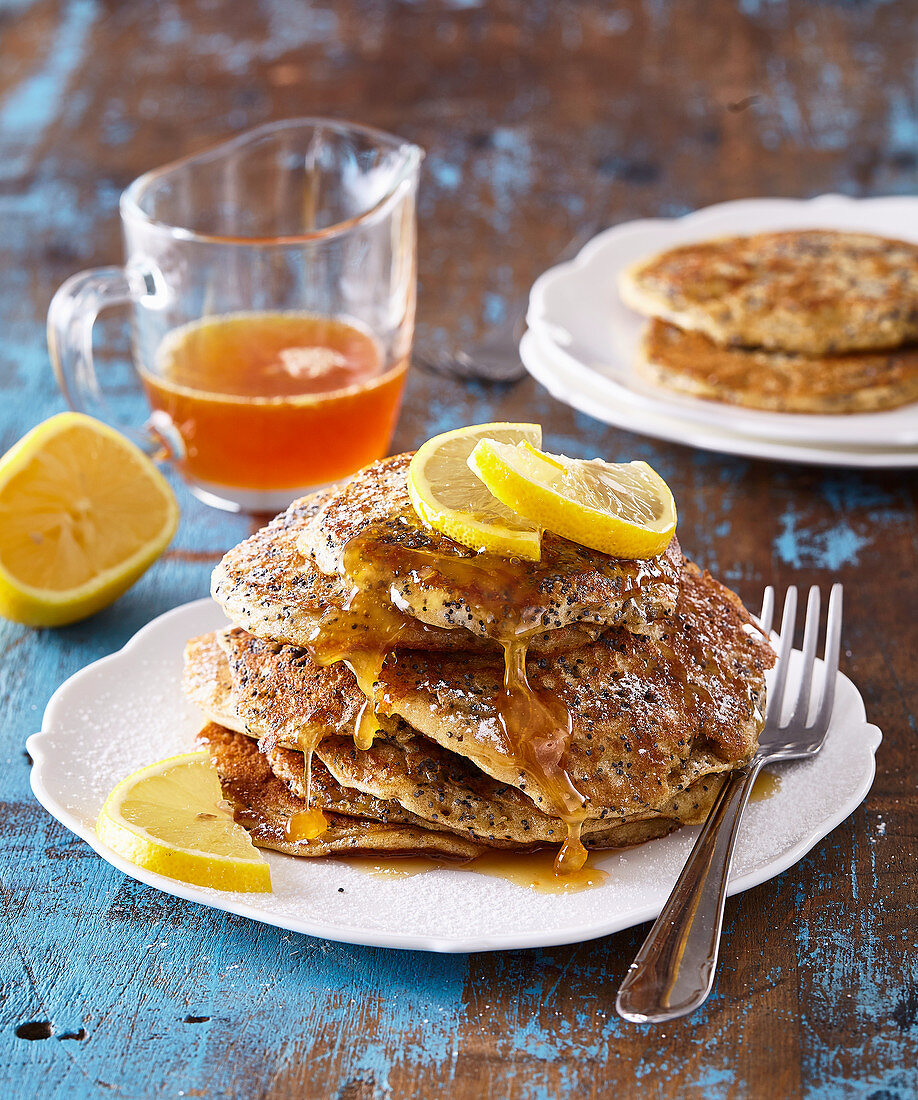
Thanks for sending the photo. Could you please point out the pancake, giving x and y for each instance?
(368, 533)
(403, 776)
(279, 692)
(814, 291)
(448, 792)
(856, 382)
(649, 715)
(263, 805)
(227, 675)
(269, 587)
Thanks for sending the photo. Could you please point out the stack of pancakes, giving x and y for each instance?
(811, 321)
(427, 698)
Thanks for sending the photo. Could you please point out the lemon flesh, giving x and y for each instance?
(624, 509)
(83, 513)
(449, 497)
(171, 818)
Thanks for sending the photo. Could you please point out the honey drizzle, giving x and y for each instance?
(538, 732)
(532, 870)
(504, 598)
(766, 785)
(311, 823)
(332, 639)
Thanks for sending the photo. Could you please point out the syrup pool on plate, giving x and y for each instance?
(276, 400)
(531, 870)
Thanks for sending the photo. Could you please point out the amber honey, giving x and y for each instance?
(531, 870)
(275, 400)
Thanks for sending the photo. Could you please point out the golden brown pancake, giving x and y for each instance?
(814, 291)
(368, 533)
(273, 692)
(269, 587)
(402, 769)
(650, 714)
(263, 804)
(856, 382)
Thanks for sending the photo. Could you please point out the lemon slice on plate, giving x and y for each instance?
(83, 512)
(171, 818)
(451, 499)
(624, 509)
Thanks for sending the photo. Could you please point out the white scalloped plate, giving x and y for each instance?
(585, 391)
(576, 309)
(127, 710)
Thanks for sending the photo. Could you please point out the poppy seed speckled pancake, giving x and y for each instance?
(650, 714)
(269, 587)
(448, 792)
(812, 291)
(781, 381)
(273, 692)
(278, 692)
(368, 532)
(425, 780)
(264, 804)
(364, 784)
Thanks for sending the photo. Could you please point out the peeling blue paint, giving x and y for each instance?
(31, 106)
(493, 308)
(508, 168)
(828, 549)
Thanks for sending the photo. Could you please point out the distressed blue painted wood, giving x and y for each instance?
(534, 115)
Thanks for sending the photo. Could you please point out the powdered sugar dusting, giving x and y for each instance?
(128, 710)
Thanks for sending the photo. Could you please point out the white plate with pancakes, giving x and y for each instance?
(128, 710)
(589, 394)
(584, 341)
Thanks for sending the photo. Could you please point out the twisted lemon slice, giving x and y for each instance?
(624, 509)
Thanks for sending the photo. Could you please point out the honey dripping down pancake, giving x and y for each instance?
(369, 534)
(504, 599)
(273, 693)
(387, 590)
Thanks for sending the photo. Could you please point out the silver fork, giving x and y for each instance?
(673, 972)
(496, 357)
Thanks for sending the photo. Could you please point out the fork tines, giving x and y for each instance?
(797, 723)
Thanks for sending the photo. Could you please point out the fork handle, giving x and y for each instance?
(673, 972)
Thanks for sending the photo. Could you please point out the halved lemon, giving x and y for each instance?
(451, 499)
(83, 513)
(171, 818)
(624, 509)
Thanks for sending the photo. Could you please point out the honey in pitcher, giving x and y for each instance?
(276, 400)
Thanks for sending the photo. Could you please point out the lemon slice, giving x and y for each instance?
(451, 499)
(171, 818)
(83, 512)
(624, 509)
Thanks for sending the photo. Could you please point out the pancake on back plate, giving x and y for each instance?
(780, 381)
(264, 804)
(812, 291)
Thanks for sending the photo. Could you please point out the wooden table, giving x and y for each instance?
(535, 115)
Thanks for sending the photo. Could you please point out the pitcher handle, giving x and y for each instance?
(71, 317)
